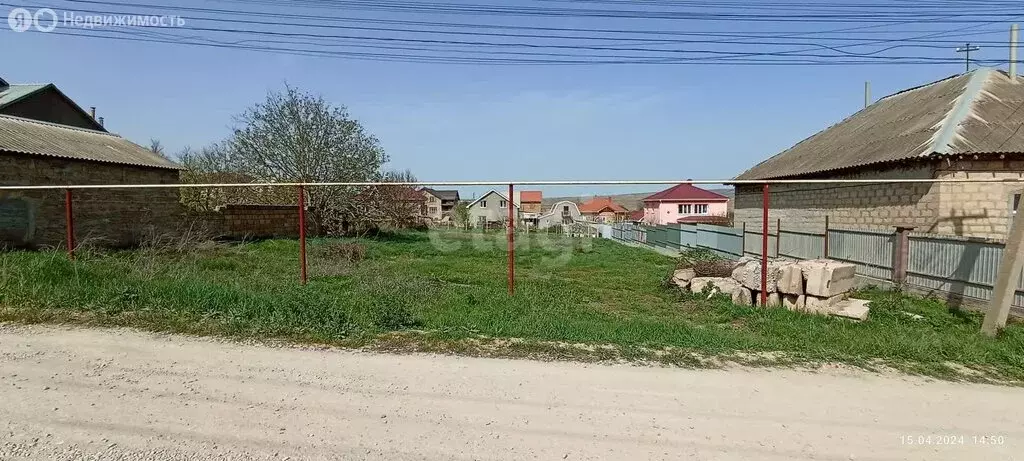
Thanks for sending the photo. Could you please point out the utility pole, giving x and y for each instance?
(1008, 275)
(1013, 52)
(967, 49)
(867, 94)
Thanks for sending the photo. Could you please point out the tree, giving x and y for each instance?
(157, 148)
(298, 137)
(460, 214)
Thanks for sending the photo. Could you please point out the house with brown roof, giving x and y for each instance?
(603, 210)
(684, 203)
(530, 205)
(964, 126)
(440, 203)
(36, 149)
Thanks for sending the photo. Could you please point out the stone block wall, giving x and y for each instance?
(977, 210)
(980, 210)
(108, 217)
(803, 207)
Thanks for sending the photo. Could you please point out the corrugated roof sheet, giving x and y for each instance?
(685, 192)
(15, 93)
(26, 136)
(977, 112)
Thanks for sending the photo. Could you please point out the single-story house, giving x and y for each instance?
(564, 212)
(41, 153)
(964, 126)
(491, 207)
(684, 203)
(603, 210)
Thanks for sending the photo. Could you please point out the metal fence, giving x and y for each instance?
(955, 267)
(962, 268)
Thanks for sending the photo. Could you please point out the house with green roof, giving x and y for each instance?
(45, 103)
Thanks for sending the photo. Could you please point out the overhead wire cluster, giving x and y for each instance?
(574, 32)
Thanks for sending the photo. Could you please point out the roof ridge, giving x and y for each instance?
(58, 125)
(948, 129)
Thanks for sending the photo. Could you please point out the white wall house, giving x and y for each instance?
(490, 207)
(564, 212)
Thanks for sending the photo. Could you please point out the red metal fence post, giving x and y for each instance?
(302, 234)
(764, 246)
(511, 242)
(69, 220)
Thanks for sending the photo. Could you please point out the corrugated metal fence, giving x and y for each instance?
(950, 266)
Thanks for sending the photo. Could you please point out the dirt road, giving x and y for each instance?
(123, 395)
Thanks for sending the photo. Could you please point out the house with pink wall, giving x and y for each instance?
(684, 203)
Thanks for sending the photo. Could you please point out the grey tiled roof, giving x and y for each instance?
(977, 112)
(24, 136)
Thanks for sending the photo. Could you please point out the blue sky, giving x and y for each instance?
(481, 122)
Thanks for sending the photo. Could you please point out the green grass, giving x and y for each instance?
(444, 298)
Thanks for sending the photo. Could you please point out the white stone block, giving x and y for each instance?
(826, 278)
(682, 278)
(718, 285)
(742, 297)
(749, 275)
(791, 280)
(856, 309)
(794, 302)
(820, 305)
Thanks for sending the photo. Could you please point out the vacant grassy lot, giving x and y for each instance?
(448, 292)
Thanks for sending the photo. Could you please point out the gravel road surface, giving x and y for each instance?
(78, 394)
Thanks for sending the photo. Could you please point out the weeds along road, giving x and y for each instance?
(123, 395)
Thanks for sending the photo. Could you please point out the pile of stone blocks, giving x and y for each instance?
(819, 286)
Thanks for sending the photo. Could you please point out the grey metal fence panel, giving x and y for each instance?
(726, 241)
(871, 251)
(752, 243)
(801, 245)
(957, 266)
(688, 235)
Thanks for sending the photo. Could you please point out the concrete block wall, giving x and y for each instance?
(252, 221)
(977, 210)
(803, 207)
(110, 217)
(968, 210)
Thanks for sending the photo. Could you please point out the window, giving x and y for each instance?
(1015, 204)
(502, 204)
(565, 209)
(685, 209)
(700, 209)
(433, 210)
(483, 204)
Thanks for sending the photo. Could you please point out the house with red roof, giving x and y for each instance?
(685, 203)
(603, 209)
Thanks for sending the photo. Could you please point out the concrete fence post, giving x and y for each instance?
(901, 255)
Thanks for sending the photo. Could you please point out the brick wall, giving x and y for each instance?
(113, 217)
(967, 210)
(252, 221)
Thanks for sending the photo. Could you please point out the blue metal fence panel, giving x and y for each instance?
(688, 235)
(752, 243)
(957, 266)
(726, 241)
(801, 245)
(871, 251)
